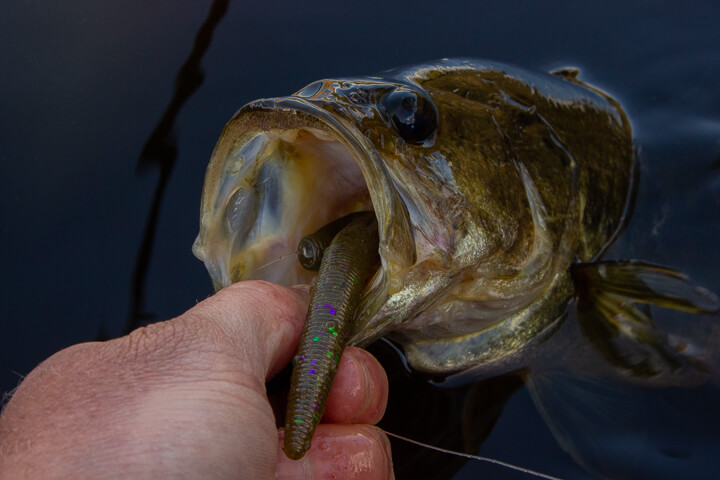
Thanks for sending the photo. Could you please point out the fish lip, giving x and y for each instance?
(396, 242)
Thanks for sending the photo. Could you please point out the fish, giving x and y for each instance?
(495, 190)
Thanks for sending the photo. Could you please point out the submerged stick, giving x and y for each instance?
(344, 270)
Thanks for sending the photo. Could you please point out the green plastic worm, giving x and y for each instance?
(345, 268)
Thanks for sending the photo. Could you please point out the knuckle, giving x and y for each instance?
(157, 341)
(257, 301)
(260, 292)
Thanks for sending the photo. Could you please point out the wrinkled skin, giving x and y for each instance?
(186, 399)
(487, 182)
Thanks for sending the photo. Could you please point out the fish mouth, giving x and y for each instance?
(282, 169)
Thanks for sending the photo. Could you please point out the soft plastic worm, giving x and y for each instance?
(311, 247)
(345, 268)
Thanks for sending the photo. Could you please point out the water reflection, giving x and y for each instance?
(160, 152)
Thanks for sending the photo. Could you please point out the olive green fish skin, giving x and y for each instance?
(487, 182)
(346, 265)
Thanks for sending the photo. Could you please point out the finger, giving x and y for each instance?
(360, 391)
(340, 451)
(262, 321)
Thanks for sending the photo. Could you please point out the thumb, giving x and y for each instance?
(262, 322)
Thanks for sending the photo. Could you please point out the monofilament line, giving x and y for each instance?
(273, 261)
(473, 457)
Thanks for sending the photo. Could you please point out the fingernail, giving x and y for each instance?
(374, 388)
(366, 387)
(292, 469)
(341, 451)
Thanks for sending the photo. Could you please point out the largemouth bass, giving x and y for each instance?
(493, 188)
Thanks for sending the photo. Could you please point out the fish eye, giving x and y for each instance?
(413, 115)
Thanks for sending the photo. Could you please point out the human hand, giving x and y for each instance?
(186, 399)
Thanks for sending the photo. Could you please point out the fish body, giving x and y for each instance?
(494, 190)
(487, 182)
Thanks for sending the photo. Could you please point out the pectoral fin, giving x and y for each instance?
(610, 317)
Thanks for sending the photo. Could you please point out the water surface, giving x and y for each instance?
(98, 214)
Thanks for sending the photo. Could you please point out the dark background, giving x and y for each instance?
(104, 140)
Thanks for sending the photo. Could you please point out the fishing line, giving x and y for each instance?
(273, 261)
(473, 457)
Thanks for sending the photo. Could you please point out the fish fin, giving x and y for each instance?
(570, 73)
(613, 319)
(646, 283)
(623, 431)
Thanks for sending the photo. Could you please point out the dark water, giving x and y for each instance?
(110, 111)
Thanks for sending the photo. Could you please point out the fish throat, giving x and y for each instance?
(345, 267)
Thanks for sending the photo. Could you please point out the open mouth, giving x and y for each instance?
(281, 170)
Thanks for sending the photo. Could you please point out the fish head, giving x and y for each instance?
(451, 160)
(285, 167)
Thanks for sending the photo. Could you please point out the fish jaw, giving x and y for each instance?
(285, 167)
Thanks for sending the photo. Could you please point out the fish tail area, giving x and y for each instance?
(344, 269)
(614, 314)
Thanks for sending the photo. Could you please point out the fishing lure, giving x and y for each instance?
(345, 267)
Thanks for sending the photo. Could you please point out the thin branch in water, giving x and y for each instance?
(161, 150)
